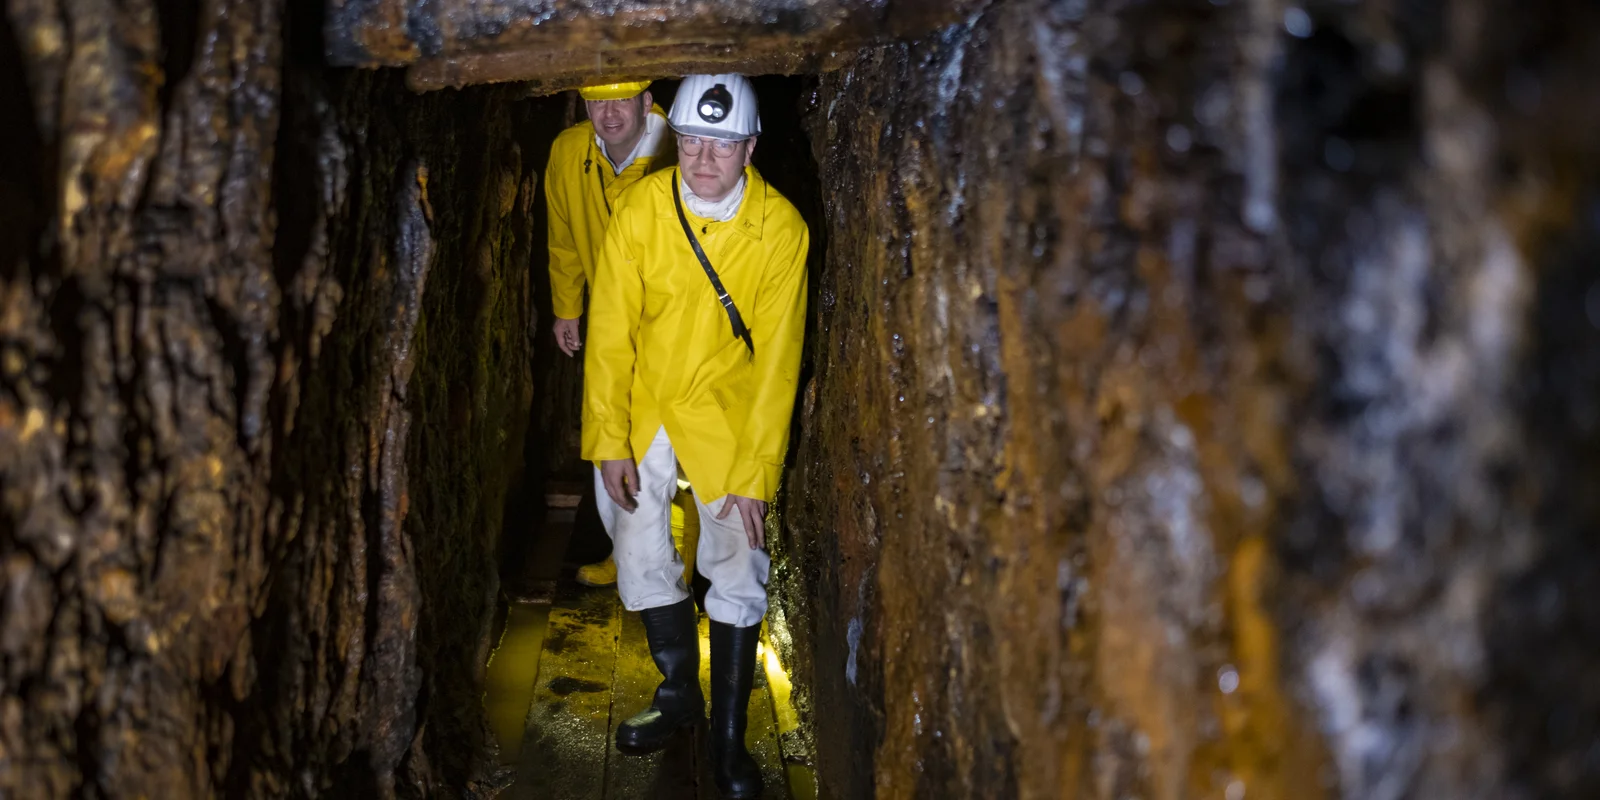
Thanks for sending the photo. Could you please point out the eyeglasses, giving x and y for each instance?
(721, 148)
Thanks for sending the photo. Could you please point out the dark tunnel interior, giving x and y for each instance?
(1197, 401)
(546, 538)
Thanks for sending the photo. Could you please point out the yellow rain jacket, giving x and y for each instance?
(580, 211)
(662, 352)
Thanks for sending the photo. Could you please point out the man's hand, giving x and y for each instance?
(566, 331)
(621, 478)
(752, 512)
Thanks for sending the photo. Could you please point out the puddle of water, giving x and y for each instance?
(512, 671)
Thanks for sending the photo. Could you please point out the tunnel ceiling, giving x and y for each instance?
(557, 44)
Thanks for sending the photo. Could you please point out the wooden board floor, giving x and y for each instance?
(593, 672)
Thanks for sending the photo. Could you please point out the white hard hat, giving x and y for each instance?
(716, 107)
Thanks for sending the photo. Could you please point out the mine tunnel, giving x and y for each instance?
(1197, 400)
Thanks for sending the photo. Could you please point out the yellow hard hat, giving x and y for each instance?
(613, 91)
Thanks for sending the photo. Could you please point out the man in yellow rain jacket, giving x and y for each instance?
(591, 163)
(689, 372)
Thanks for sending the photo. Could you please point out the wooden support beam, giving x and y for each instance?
(558, 44)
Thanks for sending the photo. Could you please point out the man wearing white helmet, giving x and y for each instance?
(591, 163)
(693, 364)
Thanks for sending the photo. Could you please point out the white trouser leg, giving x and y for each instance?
(649, 571)
(738, 575)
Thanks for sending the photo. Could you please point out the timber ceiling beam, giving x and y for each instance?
(559, 44)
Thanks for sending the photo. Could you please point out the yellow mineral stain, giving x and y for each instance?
(31, 424)
(117, 591)
(73, 200)
(1269, 755)
(114, 160)
(46, 40)
(422, 194)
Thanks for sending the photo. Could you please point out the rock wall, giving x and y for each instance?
(265, 381)
(1199, 403)
(1201, 406)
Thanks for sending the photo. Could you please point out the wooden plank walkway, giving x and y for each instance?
(594, 671)
(564, 746)
(665, 773)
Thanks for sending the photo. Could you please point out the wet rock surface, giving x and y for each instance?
(1199, 401)
(266, 380)
(1199, 407)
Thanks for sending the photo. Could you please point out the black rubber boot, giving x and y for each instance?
(675, 646)
(733, 667)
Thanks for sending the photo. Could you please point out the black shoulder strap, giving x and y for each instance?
(734, 319)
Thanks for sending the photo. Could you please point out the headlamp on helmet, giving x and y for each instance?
(715, 104)
(716, 107)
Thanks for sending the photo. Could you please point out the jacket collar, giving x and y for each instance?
(753, 211)
(649, 146)
(752, 214)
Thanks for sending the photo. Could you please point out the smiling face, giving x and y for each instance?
(710, 176)
(619, 123)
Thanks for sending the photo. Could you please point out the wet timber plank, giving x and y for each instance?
(667, 774)
(564, 750)
(761, 736)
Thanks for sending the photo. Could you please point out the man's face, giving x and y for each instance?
(709, 171)
(619, 123)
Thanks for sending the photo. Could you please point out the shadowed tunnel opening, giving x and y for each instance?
(1197, 399)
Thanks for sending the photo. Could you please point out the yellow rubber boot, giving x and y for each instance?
(686, 531)
(602, 573)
